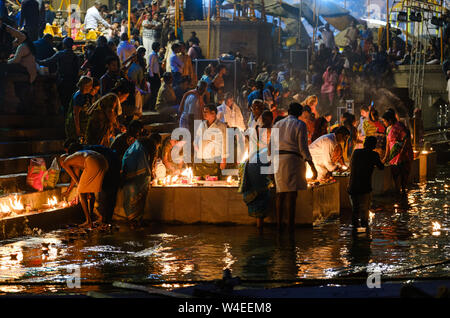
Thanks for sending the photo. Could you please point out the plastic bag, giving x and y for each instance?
(36, 173)
(160, 170)
(53, 175)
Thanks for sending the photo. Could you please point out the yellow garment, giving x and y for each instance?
(188, 69)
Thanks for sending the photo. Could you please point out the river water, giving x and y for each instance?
(402, 243)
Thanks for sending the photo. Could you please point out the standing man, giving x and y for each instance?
(154, 73)
(293, 152)
(151, 28)
(30, 19)
(67, 64)
(328, 36)
(93, 17)
(49, 14)
(112, 75)
(125, 48)
(360, 185)
(176, 65)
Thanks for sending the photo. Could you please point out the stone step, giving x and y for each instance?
(26, 148)
(149, 117)
(22, 134)
(20, 164)
(17, 182)
(167, 127)
(31, 121)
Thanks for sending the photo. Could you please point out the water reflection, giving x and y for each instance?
(403, 236)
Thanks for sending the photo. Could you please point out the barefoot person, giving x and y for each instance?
(293, 153)
(93, 166)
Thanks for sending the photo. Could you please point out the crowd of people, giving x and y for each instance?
(104, 93)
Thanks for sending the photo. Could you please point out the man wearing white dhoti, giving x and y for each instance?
(293, 152)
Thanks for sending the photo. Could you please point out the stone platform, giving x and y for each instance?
(224, 205)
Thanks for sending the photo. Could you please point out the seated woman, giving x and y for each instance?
(77, 116)
(137, 165)
(23, 60)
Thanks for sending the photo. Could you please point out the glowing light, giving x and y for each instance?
(424, 152)
(371, 216)
(436, 226)
(344, 167)
(52, 202)
(5, 208)
(16, 204)
(309, 173)
(229, 179)
(245, 156)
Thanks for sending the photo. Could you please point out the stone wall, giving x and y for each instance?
(252, 39)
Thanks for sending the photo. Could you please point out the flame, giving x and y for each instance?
(52, 202)
(371, 216)
(436, 226)
(188, 173)
(344, 167)
(4, 208)
(174, 179)
(229, 179)
(309, 173)
(16, 204)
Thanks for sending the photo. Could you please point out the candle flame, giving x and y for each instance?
(4, 208)
(309, 173)
(52, 202)
(16, 204)
(436, 226)
(229, 179)
(344, 167)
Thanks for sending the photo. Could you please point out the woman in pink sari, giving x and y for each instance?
(330, 79)
(399, 152)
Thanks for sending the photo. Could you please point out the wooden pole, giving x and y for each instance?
(69, 18)
(387, 25)
(442, 35)
(129, 19)
(176, 18)
(299, 23)
(209, 30)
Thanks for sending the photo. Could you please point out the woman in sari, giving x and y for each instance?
(399, 152)
(373, 127)
(77, 115)
(137, 165)
(255, 186)
(102, 124)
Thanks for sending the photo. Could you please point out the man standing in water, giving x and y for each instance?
(93, 166)
(360, 185)
(293, 152)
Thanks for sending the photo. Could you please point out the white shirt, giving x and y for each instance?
(322, 150)
(125, 50)
(92, 19)
(231, 116)
(192, 106)
(252, 123)
(211, 141)
(153, 64)
(293, 136)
